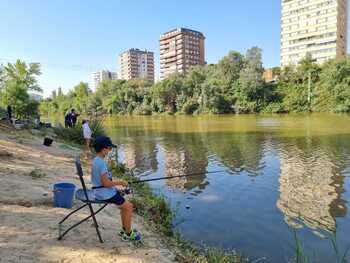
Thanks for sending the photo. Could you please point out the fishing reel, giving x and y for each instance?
(126, 191)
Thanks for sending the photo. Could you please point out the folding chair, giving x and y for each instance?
(87, 197)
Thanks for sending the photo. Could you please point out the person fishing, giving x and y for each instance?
(106, 189)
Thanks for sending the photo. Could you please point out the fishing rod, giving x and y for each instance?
(176, 176)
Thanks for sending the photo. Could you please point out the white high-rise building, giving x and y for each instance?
(317, 27)
(99, 76)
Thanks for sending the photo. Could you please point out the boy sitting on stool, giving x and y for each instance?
(106, 189)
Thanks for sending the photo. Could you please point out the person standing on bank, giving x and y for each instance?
(68, 120)
(9, 113)
(87, 133)
(74, 117)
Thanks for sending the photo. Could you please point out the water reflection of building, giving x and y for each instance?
(310, 188)
(179, 162)
(141, 158)
(242, 152)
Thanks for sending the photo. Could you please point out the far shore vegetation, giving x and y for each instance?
(234, 85)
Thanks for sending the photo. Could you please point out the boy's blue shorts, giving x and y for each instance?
(116, 199)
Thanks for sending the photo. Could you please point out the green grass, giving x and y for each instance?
(187, 252)
(301, 254)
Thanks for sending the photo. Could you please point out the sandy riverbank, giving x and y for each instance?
(28, 221)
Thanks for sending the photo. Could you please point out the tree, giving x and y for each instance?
(23, 74)
(308, 66)
(250, 82)
(332, 92)
(18, 79)
(81, 93)
(230, 66)
(165, 93)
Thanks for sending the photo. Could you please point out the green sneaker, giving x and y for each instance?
(134, 236)
(122, 232)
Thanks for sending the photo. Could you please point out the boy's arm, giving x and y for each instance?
(108, 183)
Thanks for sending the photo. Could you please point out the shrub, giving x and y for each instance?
(274, 107)
(143, 110)
(190, 106)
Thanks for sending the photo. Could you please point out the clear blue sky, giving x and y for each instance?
(73, 38)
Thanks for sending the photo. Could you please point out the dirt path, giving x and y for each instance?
(28, 222)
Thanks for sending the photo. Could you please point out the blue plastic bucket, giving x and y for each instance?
(63, 194)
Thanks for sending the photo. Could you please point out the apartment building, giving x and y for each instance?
(180, 49)
(101, 75)
(135, 63)
(269, 75)
(318, 27)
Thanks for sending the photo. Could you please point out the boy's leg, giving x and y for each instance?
(126, 215)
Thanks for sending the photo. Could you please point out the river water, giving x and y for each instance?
(282, 173)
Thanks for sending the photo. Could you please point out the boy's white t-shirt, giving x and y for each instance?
(87, 131)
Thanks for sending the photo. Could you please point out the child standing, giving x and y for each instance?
(87, 133)
(106, 189)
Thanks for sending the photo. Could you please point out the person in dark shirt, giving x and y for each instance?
(74, 117)
(68, 120)
(9, 113)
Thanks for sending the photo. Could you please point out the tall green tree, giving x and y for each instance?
(81, 93)
(165, 93)
(230, 66)
(24, 74)
(18, 79)
(332, 94)
(250, 82)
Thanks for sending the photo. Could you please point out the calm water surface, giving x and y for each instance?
(283, 173)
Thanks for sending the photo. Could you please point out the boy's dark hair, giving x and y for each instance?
(73, 110)
(98, 148)
(84, 121)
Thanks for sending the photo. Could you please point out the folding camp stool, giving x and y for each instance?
(87, 197)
